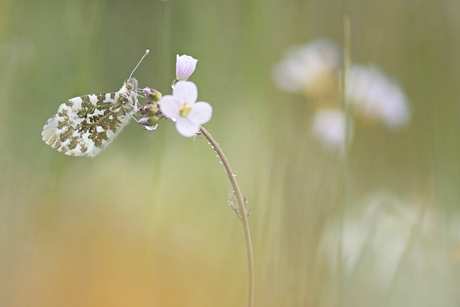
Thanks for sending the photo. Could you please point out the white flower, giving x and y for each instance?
(309, 68)
(329, 127)
(182, 108)
(185, 66)
(374, 95)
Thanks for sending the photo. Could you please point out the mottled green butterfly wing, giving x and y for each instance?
(84, 125)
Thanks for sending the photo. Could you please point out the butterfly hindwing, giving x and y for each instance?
(84, 125)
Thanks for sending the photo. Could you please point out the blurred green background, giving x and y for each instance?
(146, 223)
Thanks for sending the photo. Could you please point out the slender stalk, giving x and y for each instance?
(242, 214)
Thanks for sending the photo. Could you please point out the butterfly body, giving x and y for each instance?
(84, 125)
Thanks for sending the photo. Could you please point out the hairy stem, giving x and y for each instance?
(242, 214)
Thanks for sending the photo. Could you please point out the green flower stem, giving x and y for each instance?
(242, 214)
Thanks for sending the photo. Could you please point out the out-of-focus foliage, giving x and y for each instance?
(146, 222)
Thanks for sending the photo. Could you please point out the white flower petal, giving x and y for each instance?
(186, 127)
(376, 96)
(329, 126)
(395, 112)
(169, 106)
(185, 66)
(289, 76)
(201, 113)
(186, 91)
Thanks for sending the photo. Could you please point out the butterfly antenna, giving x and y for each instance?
(146, 52)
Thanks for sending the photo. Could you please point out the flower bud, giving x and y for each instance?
(143, 121)
(152, 109)
(152, 94)
(185, 66)
(149, 122)
(147, 92)
(152, 121)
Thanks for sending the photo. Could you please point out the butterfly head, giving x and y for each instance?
(131, 84)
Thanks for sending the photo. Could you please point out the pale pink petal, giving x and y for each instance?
(169, 106)
(186, 127)
(143, 121)
(201, 113)
(186, 91)
(185, 66)
(147, 91)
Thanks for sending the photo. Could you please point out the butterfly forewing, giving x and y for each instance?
(84, 125)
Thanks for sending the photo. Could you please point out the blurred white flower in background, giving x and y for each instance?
(315, 70)
(374, 96)
(310, 68)
(329, 127)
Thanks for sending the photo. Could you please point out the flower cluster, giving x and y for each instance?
(181, 107)
(315, 69)
(150, 110)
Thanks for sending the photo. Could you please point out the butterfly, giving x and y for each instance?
(85, 125)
